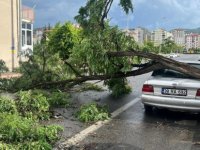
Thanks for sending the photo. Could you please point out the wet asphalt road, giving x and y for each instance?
(135, 130)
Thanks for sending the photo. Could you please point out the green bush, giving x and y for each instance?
(92, 112)
(7, 105)
(38, 145)
(7, 84)
(32, 105)
(5, 146)
(14, 128)
(17, 132)
(118, 87)
(19, 128)
(55, 98)
(59, 99)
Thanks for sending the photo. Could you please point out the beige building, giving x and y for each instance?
(11, 32)
(159, 35)
(179, 37)
(139, 34)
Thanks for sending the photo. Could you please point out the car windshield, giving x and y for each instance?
(168, 73)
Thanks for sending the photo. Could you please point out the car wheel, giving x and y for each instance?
(148, 108)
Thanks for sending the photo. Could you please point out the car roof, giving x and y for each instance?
(189, 62)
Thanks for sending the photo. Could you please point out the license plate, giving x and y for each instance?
(178, 92)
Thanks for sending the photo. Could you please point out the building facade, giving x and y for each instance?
(10, 32)
(139, 34)
(192, 41)
(159, 35)
(11, 14)
(179, 37)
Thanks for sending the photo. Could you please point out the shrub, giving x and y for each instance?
(14, 128)
(5, 146)
(7, 105)
(32, 105)
(17, 132)
(7, 84)
(92, 112)
(55, 98)
(49, 133)
(118, 87)
(59, 99)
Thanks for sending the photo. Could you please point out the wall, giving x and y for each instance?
(7, 32)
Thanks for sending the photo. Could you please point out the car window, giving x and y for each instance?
(168, 73)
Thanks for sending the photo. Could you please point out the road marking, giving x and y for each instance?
(83, 134)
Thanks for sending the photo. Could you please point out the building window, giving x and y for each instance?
(29, 37)
(23, 25)
(29, 26)
(23, 38)
(26, 34)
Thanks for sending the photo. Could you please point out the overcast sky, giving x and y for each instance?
(167, 14)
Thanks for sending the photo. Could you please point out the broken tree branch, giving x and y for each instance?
(157, 63)
(71, 82)
(165, 62)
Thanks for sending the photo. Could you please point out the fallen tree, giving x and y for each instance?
(157, 62)
(163, 61)
(95, 51)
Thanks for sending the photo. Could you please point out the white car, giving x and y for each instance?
(173, 55)
(173, 90)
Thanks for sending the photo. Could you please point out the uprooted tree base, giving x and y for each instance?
(157, 62)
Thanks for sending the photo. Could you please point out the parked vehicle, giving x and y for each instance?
(173, 90)
(173, 55)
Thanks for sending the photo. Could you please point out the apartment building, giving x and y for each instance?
(159, 35)
(139, 34)
(10, 32)
(179, 37)
(192, 41)
(13, 17)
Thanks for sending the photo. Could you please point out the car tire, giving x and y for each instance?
(148, 108)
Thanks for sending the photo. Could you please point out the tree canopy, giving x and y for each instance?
(95, 50)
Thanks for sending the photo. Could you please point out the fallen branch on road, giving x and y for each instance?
(71, 82)
(157, 63)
